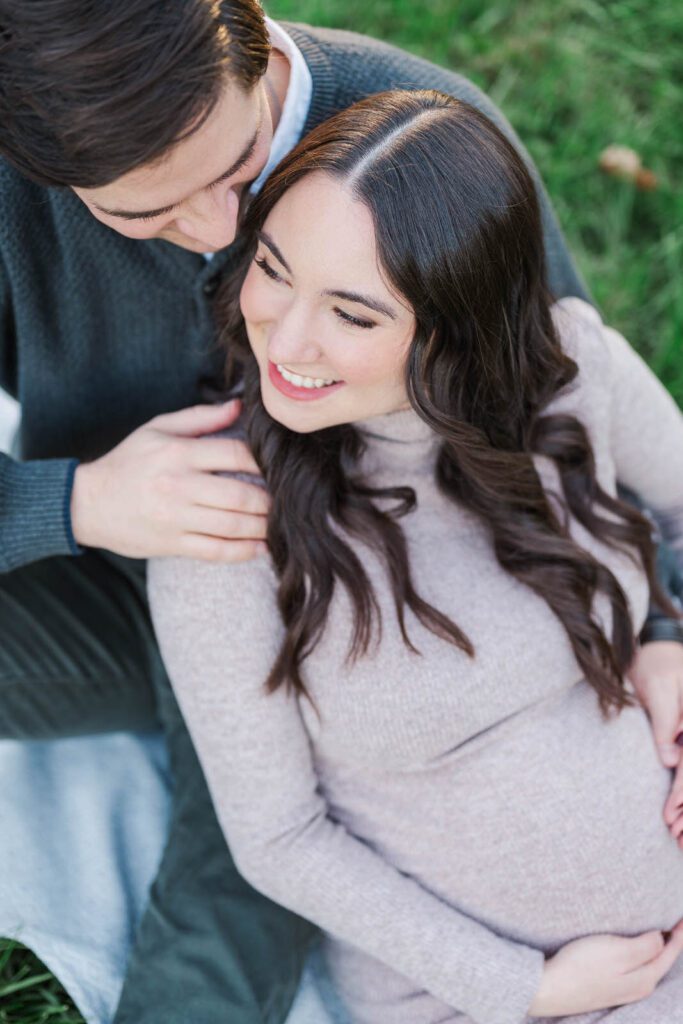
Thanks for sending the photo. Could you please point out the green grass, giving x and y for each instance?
(573, 76)
(28, 992)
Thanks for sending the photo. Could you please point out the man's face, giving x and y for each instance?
(191, 196)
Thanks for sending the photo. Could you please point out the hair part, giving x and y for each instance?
(459, 235)
(88, 92)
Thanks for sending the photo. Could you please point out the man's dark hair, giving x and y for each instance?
(91, 90)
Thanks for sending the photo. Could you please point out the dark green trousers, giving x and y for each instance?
(78, 655)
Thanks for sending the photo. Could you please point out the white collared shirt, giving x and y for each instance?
(296, 106)
(297, 102)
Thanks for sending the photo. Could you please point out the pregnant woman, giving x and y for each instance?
(411, 710)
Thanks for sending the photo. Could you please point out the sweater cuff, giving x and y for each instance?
(66, 508)
(35, 514)
(514, 981)
(660, 628)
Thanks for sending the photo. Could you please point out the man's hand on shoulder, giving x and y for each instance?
(157, 492)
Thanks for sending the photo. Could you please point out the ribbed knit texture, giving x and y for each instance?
(99, 332)
(446, 820)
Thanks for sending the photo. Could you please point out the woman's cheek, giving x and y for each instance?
(366, 365)
(247, 296)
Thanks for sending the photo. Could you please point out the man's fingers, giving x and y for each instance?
(676, 828)
(228, 494)
(665, 713)
(227, 525)
(199, 419)
(213, 549)
(670, 753)
(674, 803)
(223, 454)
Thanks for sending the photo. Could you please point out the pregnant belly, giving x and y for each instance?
(548, 828)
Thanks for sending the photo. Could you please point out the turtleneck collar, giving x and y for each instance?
(398, 439)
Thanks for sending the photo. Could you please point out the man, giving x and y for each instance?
(132, 132)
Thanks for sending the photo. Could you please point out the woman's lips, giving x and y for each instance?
(300, 394)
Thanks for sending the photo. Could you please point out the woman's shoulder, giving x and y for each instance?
(596, 349)
(219, 631)
(582, 334)
(606, 360)
(583, 337)
(186, 589)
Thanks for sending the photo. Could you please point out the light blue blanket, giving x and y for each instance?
(82, 825)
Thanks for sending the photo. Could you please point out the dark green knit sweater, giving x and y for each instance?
(99, 332)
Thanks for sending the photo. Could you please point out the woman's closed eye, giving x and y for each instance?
(353, 321)
(265, 266)
(346, 318)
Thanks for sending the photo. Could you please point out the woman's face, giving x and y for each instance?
(330, 337)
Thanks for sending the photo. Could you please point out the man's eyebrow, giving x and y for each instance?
(364, 300)
(244, 158)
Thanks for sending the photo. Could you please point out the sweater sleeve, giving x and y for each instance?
(35, 510)
(645, 424)
(219, 630)
(35, 497)
(647, 438)
(647, 443)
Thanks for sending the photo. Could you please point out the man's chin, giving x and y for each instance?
(189, 244)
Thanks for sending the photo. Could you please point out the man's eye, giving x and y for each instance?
(354, 320)
(219, 181)
(265, 266)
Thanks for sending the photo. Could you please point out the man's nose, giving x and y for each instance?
(211, 219)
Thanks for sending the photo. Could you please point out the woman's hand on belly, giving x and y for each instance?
(601, 971)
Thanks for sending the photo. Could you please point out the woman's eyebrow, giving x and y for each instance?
(364, 300)
(268, 241)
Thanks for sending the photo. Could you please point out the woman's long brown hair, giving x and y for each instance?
(459, 236)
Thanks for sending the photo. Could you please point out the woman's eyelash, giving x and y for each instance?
(265, 266)
(347, 318)
(354, 321)
(142, 218)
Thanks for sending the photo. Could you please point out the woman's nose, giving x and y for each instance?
(291, 339)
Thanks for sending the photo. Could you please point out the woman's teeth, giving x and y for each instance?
(303, 382)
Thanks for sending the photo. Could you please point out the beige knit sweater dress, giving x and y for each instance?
(447, 821)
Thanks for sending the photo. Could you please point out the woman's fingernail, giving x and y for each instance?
(669, 753)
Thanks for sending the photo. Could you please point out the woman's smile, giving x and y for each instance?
(298, 386)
